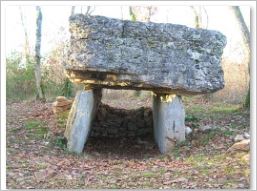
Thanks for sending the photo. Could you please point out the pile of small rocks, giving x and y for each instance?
(61, 104)
(115, 122)
(242, 144)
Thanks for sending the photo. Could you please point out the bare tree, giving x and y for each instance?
(245, 34)
(121, 11)
(72, 10)
(150, 12)
(197, 10)
(207, 17)
(198, 16)
(89, 11)
(26, 52)
(132, 14)
(40, 93)
(140, 13)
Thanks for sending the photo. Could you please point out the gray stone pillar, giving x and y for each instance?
(169, 121)
(80, 119)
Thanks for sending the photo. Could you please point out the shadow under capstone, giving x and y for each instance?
(116, 122)
(123, 133)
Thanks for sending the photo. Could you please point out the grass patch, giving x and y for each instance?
(196, 160)
(62, 119)
(36, 128)
(225, 109)
(202, 160)
(228, 133)
(41, 165)
(162, 171)
(205, 139)
(191, 118)
(175, 152)
(229, 170)
(196, 109)
(215, 111)
(150, 174)
(60, 142)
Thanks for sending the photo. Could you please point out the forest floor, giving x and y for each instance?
(37, 157)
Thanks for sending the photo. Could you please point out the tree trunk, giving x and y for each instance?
(40, 94)
(198, 16)
(26, 53)
(72, 10)
(132, 14)
(139, 13)
(246, 45)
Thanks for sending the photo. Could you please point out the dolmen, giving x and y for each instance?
(169, 60)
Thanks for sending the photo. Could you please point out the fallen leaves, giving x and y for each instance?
(116, 163)
(44, 174)
(180, 180)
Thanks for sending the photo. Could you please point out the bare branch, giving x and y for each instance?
(72, 10)
(90, 10)
(198, 19)
(207, 18)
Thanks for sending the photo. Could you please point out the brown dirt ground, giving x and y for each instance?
(37, 158)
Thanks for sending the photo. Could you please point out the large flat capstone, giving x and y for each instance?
(161, 57)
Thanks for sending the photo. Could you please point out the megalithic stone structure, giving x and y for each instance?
(169, 60)
(169, 121)
(80, 118)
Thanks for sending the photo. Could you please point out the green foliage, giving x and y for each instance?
(228, 133)
(191, 118)
(50, 87)
(206, 138)
(33, 124)
(62, 119)
(20, 80)
(20, 83)
(60, 142)
(67, 88)
(36, 128)
(247, 99)
(132, 14)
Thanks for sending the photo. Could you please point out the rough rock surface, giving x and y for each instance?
(80, 119)
(169, 121)
(161, 57)
(61, 104)
(243, 145)
(114, 122)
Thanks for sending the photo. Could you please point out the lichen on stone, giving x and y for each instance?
(159, 56)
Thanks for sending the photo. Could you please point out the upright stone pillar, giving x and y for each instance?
(169, 121)
(80, 119)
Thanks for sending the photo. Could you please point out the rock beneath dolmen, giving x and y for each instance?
(238, 138)
(188, 130)
(246, 135)
(243, 145)
(164, 58)
(61, 104)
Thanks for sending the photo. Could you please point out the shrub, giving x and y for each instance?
(20, 83)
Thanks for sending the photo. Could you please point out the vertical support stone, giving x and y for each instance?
(169, 121)
(80, 118)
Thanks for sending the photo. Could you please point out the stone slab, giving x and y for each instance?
(161, 57)
(169, 121)
(80, 119)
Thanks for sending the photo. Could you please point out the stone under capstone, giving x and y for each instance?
(169, 60)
